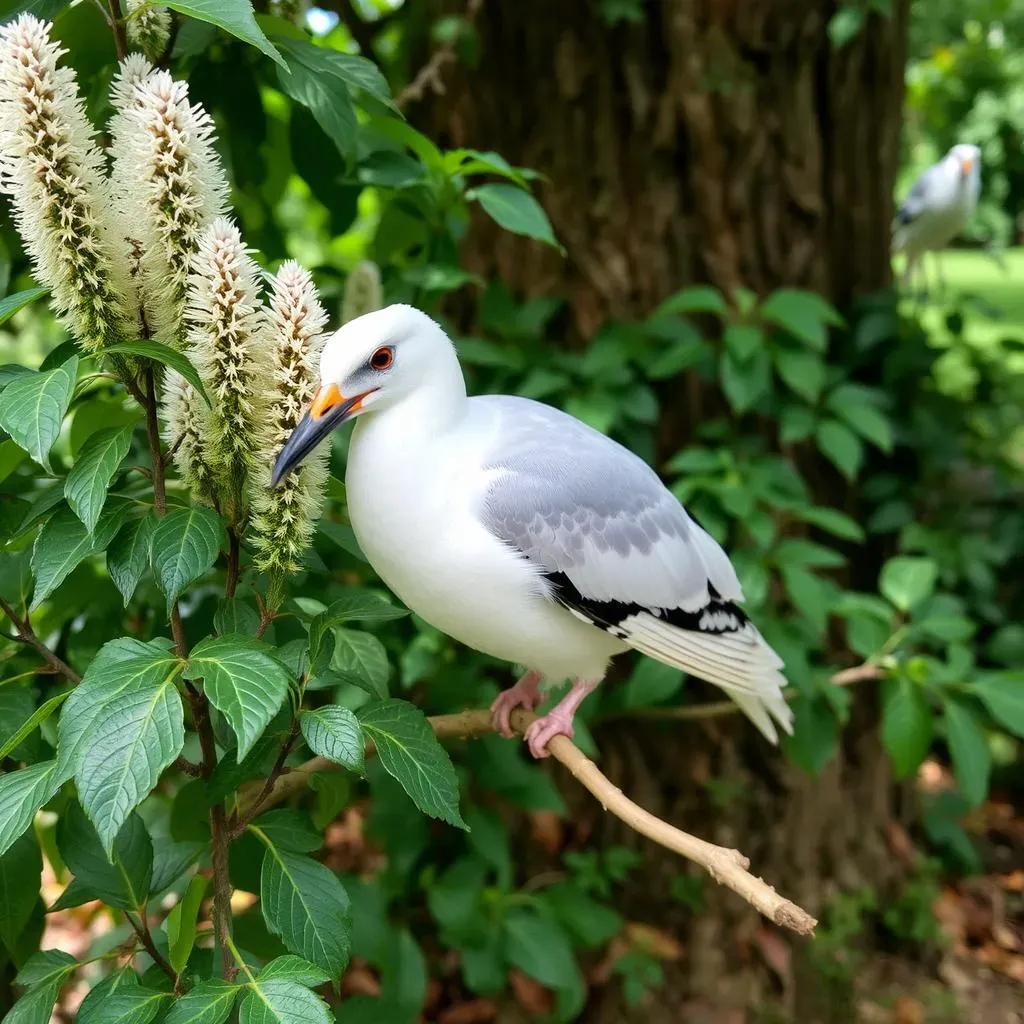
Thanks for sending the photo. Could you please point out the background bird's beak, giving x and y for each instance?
(966, 164)
(328, 411)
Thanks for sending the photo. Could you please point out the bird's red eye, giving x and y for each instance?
(382, 358)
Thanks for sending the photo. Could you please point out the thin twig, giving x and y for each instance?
(430, 74)
(120, 37)
(242, 818)
(183, 764)
(234, 562)
(27, 635)
(141, 929)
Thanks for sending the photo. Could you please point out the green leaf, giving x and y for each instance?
(234, 615)
(831, 520)
(355, 72)
(411, 754)
(907, 726)
(745, 383)
(294, 968)
(242, 681)
(815, 734)
(181, 923)
(290, 829)
(699, 299)
(32, 408)
(907, 580)
(972, 762)
(797, 551)
(539, 948)
(334, 732)
(234, 16)
(803, 315)
(651, 682)
(129, 1004)
(308, 79)
(185, 545)
(210, 1002)
(87, 483)
(12, 303)
(796, 423)
(743, 340)
(29, 726)
(45, 973)
(809, 593)
(871, 423)
(128, 555)
(281, 1001)
(156, 351)
(360, 658)
(122, 880)
(21, 868)
(65, 542)
(306, 905)
(1003, 695)
(359, 606)
(841, 447)
(515, 210)
(22, 793)
(120, 729)
(802, 372)
(845, 24)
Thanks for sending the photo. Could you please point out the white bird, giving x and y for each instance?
(938, 207)
(522, 532)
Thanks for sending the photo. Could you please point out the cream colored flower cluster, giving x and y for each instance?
(149, 252)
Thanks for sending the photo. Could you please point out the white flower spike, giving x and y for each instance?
(53, 172)
(282, 519)
(187, 425)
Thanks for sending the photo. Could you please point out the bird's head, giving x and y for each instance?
(368, 364)
(967, 157)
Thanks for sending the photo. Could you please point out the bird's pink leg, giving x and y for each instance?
(558, 721)
(525, 694)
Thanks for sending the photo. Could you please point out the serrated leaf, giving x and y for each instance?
(172, 859)
(87, 483)
(165, 355)
(802, 372)
(906, 580)
(306, 905)
(907, 726)
(1003, 694)
(308, 78)
(360, 658)
(21, 869)
(233, 16)
(515, 210)
(210, 1002)
(22, 793)
(129, 1004)
(290, 829)
(185, 545)
(64, 543)
(841, 447)
(181, 923)
(122, 880)
(294, 968)
(282, 1001)
(32, 408)
(45, 973)
(972, 762)
(802, 314)
(120, 729)
(29, 726)
(411, 754)
(12, 303)
(334, 732)
(128, 555)
(698, 299)
(234, 615)
(243, 682)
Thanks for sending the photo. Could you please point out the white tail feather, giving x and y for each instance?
(741, 663)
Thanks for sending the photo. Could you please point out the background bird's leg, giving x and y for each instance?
(558, 721)
(941, 276)
(525, 694)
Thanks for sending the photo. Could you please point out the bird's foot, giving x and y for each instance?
(541, 732)
(525, 694)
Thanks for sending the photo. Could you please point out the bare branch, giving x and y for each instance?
(27, 635)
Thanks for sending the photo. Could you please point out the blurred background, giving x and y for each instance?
(721, 180)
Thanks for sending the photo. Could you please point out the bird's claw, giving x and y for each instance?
(541, 732)
(523, 695)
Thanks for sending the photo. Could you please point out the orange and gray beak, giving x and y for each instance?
(328, 411)
(966, 165)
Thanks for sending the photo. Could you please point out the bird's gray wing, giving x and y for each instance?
(595, 518)
(924, 194)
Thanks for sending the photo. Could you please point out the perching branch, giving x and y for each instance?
(141, 929)
(27, 635)
(117, 25)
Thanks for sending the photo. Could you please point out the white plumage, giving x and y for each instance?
(938, 206)
(522, 532)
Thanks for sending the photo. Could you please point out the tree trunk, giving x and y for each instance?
(723, 141)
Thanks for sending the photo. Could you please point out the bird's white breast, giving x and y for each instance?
(412, 499)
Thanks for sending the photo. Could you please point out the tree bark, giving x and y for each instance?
(721, 141)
